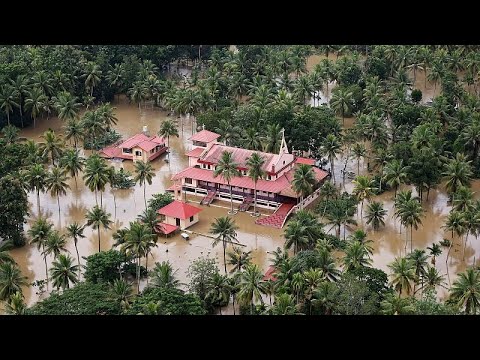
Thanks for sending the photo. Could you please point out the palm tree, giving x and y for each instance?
(273, 138)
(433, 279)
(376, 214)
(168, 129)
(136, 243)
(10, 134)
(465, 291)
(251, 286)
(92, 76)
(20, 86)
(325, 297)
(364, 189)
(331, 147)
(42, 81)
(35, 102)
(67, 106)
(39, 233)
(303, 180)
(122, 290)
(96, 218)
(456, 224)
(395, 305)
(255, 171)
(96, 175)
(435, 250)
(356, 255)
(72, 162)
(11, 281)
(8, 97)
(57, 183)
(16, 306)
(410, 213)
(295, 235)
(419, 259)
(395, 174)
(326, 263)
(342, 101)
(463, 199)
(225, 229)
(74, 130)
(5, 246)
(359, 150)
(163, 275)
(55, 244)
(238, 259)
(144, 173)
(52, 145)
(458, 172)
(220, 290)
(403, 273)
(64, 272)
(227, 169)
(35, 179)
(137, 93)
(107, 116)
(75, 231)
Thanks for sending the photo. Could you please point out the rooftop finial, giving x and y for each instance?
(203, 126)
(283, 144)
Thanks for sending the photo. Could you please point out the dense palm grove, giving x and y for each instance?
(248, 96)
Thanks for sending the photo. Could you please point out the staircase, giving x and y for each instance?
(207, 200)
(245, 205)
(277, 219)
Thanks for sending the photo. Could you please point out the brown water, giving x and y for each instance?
(388, 242)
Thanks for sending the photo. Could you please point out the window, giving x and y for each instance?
(127, 151)
(191, 218)
(188, 180)
(269, 177)
(283, 162)
(138, 153)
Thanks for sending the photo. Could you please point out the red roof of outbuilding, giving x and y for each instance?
(269, 275)
(179, 209)
(195, 153)
(306, 161)
(204, 136)
(165, 228)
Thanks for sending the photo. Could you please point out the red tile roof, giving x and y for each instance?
(142, 141)
(273, 186)
(158, 139)
(302, 160)
(204, 136)
(134, 140)
(165, 228)
(195, 153)
(239, 155)
(269, 275)
(179, 209)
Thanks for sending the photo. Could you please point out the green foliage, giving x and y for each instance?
(106, 266)
(123, 179)
(355, 298)
(171, 302)
(201, 272)
(375, 279)
(13, 210)
(160, 200)
(107, 138)
(416, 95)
(83, 299)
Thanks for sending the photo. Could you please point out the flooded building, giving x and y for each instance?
(138, 147)
(177, 215)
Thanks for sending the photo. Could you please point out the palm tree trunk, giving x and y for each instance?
(231, 198)
(115, 204)
(101, 198)
(224, 255)
(233, 301)
(358, 166)
(411, 238)
(146, 265)
(255, 198)
(38, 201)
(21, 113)
(138, 275)
(144, 195)
(8, 117)
(96, 198)
(98, 238)
(46, 267)
(76, 185)
(58, 202)
(464, 245)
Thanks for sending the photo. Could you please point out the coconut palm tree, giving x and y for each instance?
(419, 259)
(11, 281)
(74, 130)
(296, 236)
(364, 189)
(303, 180)
(136, 244)
(403, 273)
(35, 179)
(356, 255)
(92, 75)
(432, 279)
(251, 286)
(10, 134)
(395, 174)
(137, 93)
(96, 175)
(463, 199)
(435, 250)
(273, 137)
(168, 129)
(52, 145)
(458, 172)
(75, 231)
(163, 275)
(456, 224)
(331, 146)
(16, 305)
(35, 103)
(122, 291)
(55, 244)
(359, 150)
(325, 297)
(8, 100)
(64, 272)
(225, 230)
(67, 106)
(395, 305)
(96, 218)
(238, 259)
(5, 246)
(20, 86)
(326, 263)
(465, 291)
(376, 214)
(107, 115)
(39, 233)
(342, 101)
(410, 212)
(255, 171)
(220, 290)
(72, 162)
(57, 183)
(144, 174)
(227, 169)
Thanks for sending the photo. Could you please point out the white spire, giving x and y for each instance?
(283, 144)
(203, 126)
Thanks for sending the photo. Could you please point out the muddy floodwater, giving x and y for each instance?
(388, 242)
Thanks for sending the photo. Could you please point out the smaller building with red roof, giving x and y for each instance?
(178, 214)
(138, 147)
